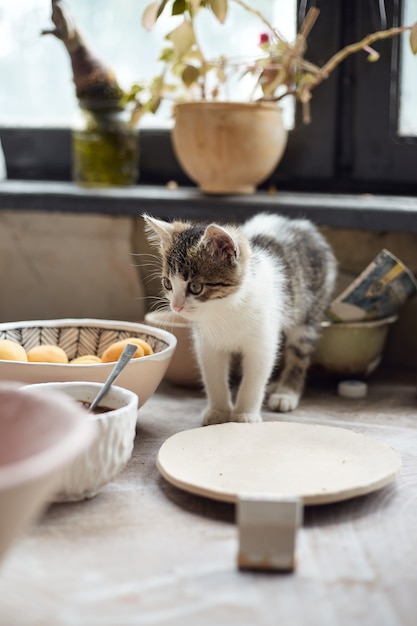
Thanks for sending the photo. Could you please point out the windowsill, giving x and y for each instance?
(365, 212)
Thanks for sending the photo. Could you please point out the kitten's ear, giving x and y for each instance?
(158, 231)
(220, 243)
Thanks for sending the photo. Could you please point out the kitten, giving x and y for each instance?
(258, 291)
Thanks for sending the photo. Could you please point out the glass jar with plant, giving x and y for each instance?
(104, 135)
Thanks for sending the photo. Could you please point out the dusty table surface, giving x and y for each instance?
(144, 552)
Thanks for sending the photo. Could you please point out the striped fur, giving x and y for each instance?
(258, 291)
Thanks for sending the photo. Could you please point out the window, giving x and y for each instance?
(360, 138)
(37, 69)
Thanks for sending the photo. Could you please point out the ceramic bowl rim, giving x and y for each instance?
(230, 105)
(360, 323)
(167, 324)
(160, 333)
(132, 398)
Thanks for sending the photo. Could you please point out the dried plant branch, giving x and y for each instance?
(309, 21)
(347, 51)
(93, 79)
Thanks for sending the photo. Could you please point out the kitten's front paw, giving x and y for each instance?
(246, 418)
(212, 416)
(283, 401)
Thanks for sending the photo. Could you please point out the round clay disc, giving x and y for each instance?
(318, 464)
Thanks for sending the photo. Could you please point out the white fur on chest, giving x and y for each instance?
(252, 314)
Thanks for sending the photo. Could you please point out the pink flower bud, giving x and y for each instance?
(263, 38)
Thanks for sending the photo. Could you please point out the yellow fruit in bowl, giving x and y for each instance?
(139, 342)
(12, 351)
(48, 353)
(113, 352)
(86, 359)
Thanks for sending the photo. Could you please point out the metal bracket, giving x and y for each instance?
(267, 531)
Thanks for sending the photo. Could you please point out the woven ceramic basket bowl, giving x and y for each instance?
(78, 337)
(112, 448)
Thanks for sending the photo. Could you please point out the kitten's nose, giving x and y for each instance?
(177, 308)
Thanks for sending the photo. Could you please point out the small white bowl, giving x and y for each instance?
(39, 435)
(78, 337)
(112, 448)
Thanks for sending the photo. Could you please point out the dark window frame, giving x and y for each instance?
(348, 147)
(380, 154)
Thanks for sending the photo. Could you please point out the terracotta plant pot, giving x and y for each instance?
(183, 369)
(352, 348)
(228, 147)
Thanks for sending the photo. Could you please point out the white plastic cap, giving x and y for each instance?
(352, 389)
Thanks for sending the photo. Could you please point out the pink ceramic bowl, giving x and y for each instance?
(39, 436)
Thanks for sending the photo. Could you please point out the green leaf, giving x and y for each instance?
(271, 79)
(167, 55)
(190, 75)
(177, 69)
(179, 7)
(413, 39)
(155, 104)
(157, 85)
(221, 74)
(161, 7)
(134, 90)
(219, 8)
(183, 38)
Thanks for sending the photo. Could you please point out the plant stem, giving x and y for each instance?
(340, 56)
(309, 21)
(203, 86)
(259, 15)
(337, 58)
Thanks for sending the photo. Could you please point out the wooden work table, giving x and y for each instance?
(144, 552)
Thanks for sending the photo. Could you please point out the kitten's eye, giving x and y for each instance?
(166, 283)
(195, 288)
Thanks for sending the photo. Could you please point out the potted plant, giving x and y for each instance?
(227, 146)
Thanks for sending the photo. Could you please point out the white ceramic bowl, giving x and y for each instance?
(183, 368)
(39, 435)
(89, 336)
(352, 348)
(111, 449)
